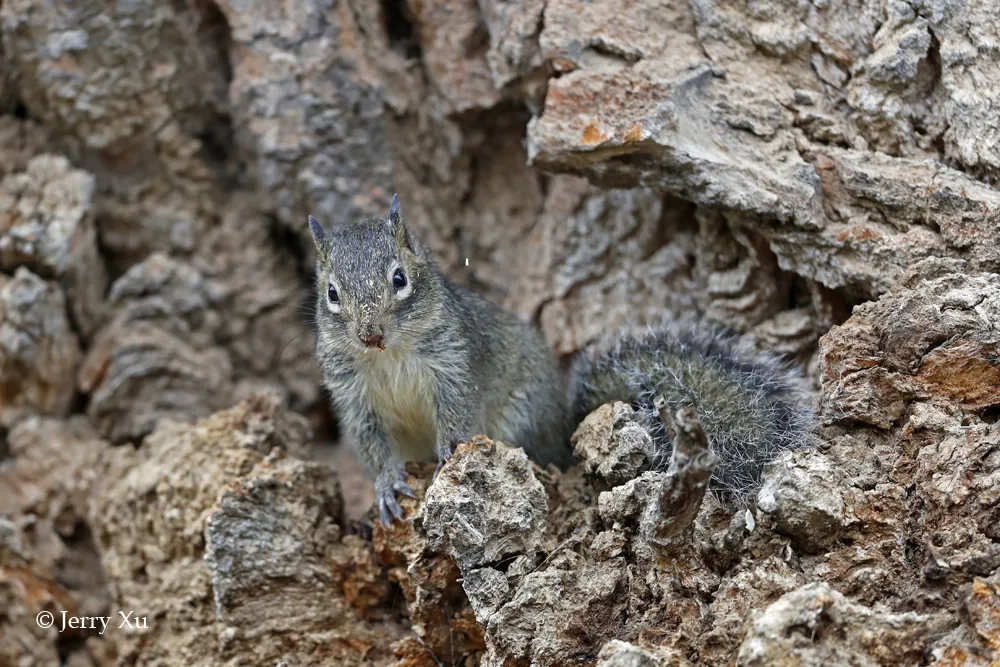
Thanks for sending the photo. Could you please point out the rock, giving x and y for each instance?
(624, 503)
(234, 557)
(257, 293)
(126, 403)
(485, 505)
(64, 57)
(602, 259)
(836, 631)
(621, 654)
(53, 471)
(488, 589)
(931, 336)
(612, 444)
(256, 543)
(48, 562)
(976, 642)
(442, 618)
(48, 227)
(207, 328)
(447, 28)
(138, 92)
(638, 104)
(39, 351)
(514, 28)
(746, 589)
(551, 617)
(802, 495)
(307, 116)
(7, 91)
(21, 141)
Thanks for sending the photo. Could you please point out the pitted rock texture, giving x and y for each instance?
(48, 560)
(306, 117)
(611, 445)
(946, 320)
(39, 351)
(466, 519)
(48, 227)
(816, 625)
(238, 546)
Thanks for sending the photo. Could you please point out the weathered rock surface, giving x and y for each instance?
(48, 562)
(39, 351)
(236, 554)
(139, 93)
(817, 625)
(48, 227)
(728, 110)
(612, 445)
(465, 517)
(188, 338)
(946, 320)
(306, 116)
(621, 654)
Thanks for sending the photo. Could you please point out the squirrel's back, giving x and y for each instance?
(751, 405)
(516, 376)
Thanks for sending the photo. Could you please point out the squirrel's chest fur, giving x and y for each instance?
(401, 389)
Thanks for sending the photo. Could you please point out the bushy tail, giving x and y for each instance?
(752, 406)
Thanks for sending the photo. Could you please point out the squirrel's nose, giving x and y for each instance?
(372, 337)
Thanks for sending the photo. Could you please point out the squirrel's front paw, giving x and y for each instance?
(390, 482)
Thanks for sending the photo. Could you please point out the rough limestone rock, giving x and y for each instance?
(612, 445)
(139, 92)
(47, 557)
(802, 495)
(466, 518)
(39, 351)
(125, 404)
(932, 335)
(976, 641)
(750, 111)
(237, 546)
(207, 329)
(443, 623)
(622, 654)
(48, 227)
(817, 625)
(20, 142)
(306, 116)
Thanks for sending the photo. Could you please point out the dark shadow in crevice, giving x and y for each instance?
(400, 29)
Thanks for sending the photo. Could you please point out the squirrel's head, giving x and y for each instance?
(371, 275)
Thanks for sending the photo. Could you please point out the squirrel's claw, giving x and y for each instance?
(444, 453)
(388, 507)
(404, 488)
(388, 484)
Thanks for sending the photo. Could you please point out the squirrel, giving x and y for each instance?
(416, 364)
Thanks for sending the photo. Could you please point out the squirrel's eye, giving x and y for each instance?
(331, 293)
(398, 279)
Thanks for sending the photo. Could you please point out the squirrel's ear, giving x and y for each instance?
(394, 214)
(403, 236)
(317, 231)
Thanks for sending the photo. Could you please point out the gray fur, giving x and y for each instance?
(751, 405)
(486, 371)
